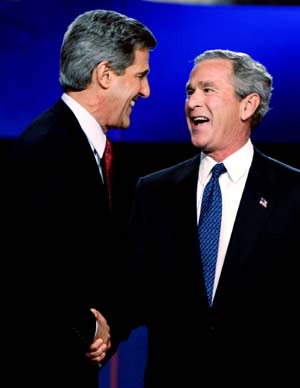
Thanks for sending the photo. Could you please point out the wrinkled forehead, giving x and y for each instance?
(212, 71)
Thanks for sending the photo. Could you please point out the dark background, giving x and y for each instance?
(31, 34)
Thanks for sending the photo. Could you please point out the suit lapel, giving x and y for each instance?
(78, 157)
(183, 216)
(183, 200)
(255, 208)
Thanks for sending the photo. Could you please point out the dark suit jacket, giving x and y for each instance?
(250, 336)
(58, 249)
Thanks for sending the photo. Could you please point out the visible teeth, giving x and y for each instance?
(199, 119)
(132, 103)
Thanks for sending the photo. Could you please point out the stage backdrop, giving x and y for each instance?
(31, 34)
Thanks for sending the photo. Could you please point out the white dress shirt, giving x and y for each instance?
(90, 127)
(232, 185)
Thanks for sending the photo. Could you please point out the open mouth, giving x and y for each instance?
(199, 120)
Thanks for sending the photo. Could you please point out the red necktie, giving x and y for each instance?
(107, 168)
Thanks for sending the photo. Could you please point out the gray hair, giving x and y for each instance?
(250, 76)
(96, 36)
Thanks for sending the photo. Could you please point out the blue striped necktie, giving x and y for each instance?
(209, 228)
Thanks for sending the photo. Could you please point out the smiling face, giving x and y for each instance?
(215, 115)
(125, 89)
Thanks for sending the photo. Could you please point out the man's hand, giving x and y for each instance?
(97, 351)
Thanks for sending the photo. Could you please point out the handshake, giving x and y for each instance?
(99, 347)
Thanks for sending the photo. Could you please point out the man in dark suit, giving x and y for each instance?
(248, 335)
(61, 231)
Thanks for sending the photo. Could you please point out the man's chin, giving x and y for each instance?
(125, 124)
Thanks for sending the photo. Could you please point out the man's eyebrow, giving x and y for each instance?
(204, 84)
(201, 84)
(145, 72)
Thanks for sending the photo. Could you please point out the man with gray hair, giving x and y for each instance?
(216, 272)
(59, 212)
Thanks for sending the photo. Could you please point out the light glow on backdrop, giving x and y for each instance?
(32, 34)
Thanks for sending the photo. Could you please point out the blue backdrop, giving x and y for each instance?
(31, 35)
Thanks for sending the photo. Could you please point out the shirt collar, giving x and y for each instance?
(88, 123)
(237, 164)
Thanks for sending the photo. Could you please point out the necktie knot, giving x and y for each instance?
(108, 148)
(218, 170)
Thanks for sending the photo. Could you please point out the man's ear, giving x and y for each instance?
(249, 105)
(103, 74)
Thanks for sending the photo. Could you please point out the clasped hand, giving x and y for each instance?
(97, 350)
